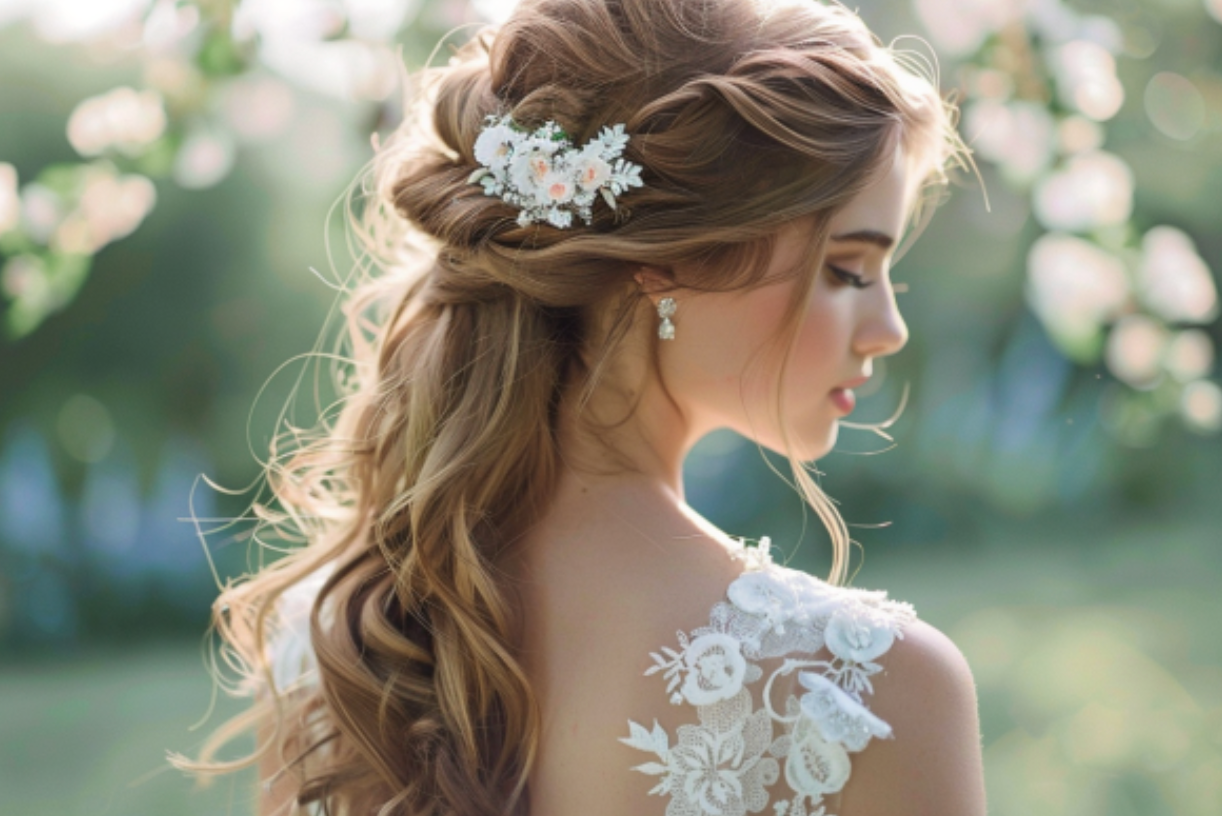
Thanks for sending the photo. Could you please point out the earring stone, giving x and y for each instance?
(666, 308)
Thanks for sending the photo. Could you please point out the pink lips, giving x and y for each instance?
(844, 399)
(843, 395)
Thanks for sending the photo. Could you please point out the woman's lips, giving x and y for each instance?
(844, 399)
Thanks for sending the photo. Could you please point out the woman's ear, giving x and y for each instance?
(654, 280)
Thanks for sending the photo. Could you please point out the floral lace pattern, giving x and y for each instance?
(725, 764)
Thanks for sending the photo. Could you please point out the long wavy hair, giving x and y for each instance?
(464, 329)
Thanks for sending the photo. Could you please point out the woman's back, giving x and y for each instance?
(650, 657)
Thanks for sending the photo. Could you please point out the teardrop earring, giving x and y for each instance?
(666, 308)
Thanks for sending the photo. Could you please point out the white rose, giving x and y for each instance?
(590, 170)
(767, 594)
(858, 634)
(527, 171)
(555, 188)
(716, 668)
(493, 146)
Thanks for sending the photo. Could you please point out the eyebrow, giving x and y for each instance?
(879, 239)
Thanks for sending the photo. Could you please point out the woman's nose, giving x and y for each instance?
(882, 329)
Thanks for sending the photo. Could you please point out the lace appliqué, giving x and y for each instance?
(724, 765)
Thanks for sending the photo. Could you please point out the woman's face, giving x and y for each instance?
(722, 368)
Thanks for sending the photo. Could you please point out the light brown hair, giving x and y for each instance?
(745, 115)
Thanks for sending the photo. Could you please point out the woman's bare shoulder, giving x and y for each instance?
(933, 763)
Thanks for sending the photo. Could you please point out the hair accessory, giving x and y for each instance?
(666, 308)
(541, 171)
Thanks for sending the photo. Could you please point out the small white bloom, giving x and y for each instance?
(494, 145)
(858, 634)
(590, 170)
(838, 716)
(814, 765)
(765, 593)
(557, 188)
(716, 667)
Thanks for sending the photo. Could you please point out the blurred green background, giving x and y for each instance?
(1051, 501)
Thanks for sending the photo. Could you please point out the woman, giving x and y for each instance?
(635, 222)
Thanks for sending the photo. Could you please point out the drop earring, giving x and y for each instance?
(666, 308)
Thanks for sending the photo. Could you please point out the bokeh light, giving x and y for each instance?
(1174, 280)
(110, 207)
(1074, 286)
(960, 26)
(1175, 105)
(1087, 79)
(206, 156)
(1018, 135)
(41, 211)
(86, 429)
(1135, 350)
(1077, 134)
(1201, 405)
(259, 108)
(10, 200)
(125, 119)
(84, 20)
(1190, 355)
(1094, 189)
(167, 24)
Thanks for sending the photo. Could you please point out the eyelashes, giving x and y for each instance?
(850, 278)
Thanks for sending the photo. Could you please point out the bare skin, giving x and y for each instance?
(621, 561)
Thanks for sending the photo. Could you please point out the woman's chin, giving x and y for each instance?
(817, 443)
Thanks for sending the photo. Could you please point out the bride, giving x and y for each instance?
(610, 228)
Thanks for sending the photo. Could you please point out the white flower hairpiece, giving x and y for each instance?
(542, 173)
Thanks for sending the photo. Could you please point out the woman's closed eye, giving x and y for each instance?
(850, 278)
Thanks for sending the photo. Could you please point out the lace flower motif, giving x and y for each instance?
(720, 768)
(545, 176)
(838, 716)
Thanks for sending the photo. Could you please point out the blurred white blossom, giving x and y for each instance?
(1093, 189)
(110, 207)
(125, 119)
(960, 26)
(205, 157)
(1019, 135)
(1077, 134)
(1074, 286)
(293, 36)
(10, 200)
(41, 211)
(1190, 355)
(1174, 280)
(1135, 350)
(25, 278)
(64, 21)
(1201, 406)
(168, 24)
(259, 107)
(1086, 79)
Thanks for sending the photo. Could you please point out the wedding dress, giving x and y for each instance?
(739, 753)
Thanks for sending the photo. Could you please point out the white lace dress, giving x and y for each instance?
(731, 761)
